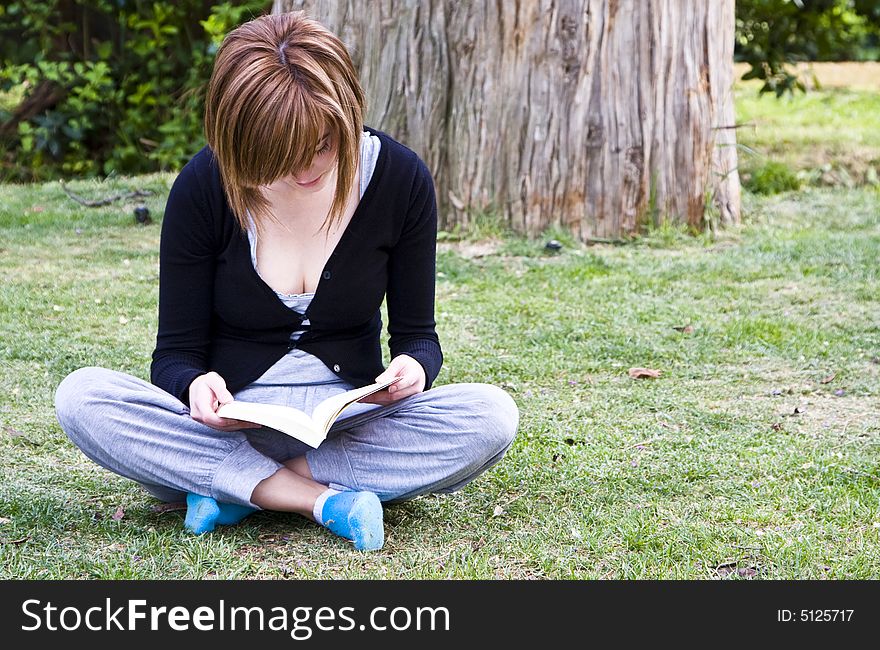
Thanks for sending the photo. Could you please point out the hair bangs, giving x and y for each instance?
(280, 84)
(283, 137)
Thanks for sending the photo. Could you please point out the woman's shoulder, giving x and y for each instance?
(199, 177)
(202, 168)
(196, 195)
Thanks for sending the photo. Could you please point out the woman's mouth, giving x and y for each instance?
(311, 183)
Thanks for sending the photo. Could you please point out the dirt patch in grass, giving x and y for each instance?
(471, 249)
(847, 418)
(818, 415)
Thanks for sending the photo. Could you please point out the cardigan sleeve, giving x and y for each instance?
(186, 279)
(411, 277)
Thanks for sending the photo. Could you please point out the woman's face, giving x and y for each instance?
(315, 177)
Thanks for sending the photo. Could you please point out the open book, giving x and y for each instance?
(311, 430)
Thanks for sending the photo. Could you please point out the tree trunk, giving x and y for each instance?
(597, 116)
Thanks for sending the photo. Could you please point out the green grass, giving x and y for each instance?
(697, 474)
(830, 137)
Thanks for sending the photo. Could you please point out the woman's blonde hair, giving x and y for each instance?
(279, 83)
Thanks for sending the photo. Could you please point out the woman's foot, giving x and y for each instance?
(356, 516)
(204, 513)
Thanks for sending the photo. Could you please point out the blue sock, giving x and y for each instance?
(232, 513)
(356, 516)
(204, 513)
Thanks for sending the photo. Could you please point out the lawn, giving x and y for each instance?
(755, 453)
(827, 138)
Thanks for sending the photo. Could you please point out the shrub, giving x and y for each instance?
(124, 83)
(771, 178)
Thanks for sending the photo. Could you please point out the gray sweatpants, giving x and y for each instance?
(435, 441)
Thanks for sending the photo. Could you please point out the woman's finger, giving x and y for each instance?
(218, 387)
(380, 397)
(230, 424)
(412, 377)
(384, 397)
(225, 424)
(403, 384)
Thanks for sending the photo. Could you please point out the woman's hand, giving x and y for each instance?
(412, 381)
(206, 393)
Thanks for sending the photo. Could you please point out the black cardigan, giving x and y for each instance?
(216, 313)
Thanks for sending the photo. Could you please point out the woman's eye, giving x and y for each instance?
(325, 147)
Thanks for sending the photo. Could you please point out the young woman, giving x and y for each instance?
(280, 240)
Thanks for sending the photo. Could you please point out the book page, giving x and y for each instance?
(286, 419)
(326, 412)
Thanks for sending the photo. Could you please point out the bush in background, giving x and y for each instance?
(771, 178)
(770, 34)
(101, 87)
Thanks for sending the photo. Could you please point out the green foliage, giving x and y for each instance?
(771, 34)
(772, 177)
(131, 77)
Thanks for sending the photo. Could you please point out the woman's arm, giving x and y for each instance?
(415, 348)
(186, 283)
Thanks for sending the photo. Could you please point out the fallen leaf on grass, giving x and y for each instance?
(119, 514)
(685, 329)
(776, 426)
(829, 378)
(498, 511)
(168, 507)
(4, 520)
(643, 373)
(13, 432)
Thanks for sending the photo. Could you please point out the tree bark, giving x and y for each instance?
(597, 116)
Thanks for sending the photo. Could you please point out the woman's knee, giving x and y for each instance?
(75, 389)
(78, 393)
(498, 417)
